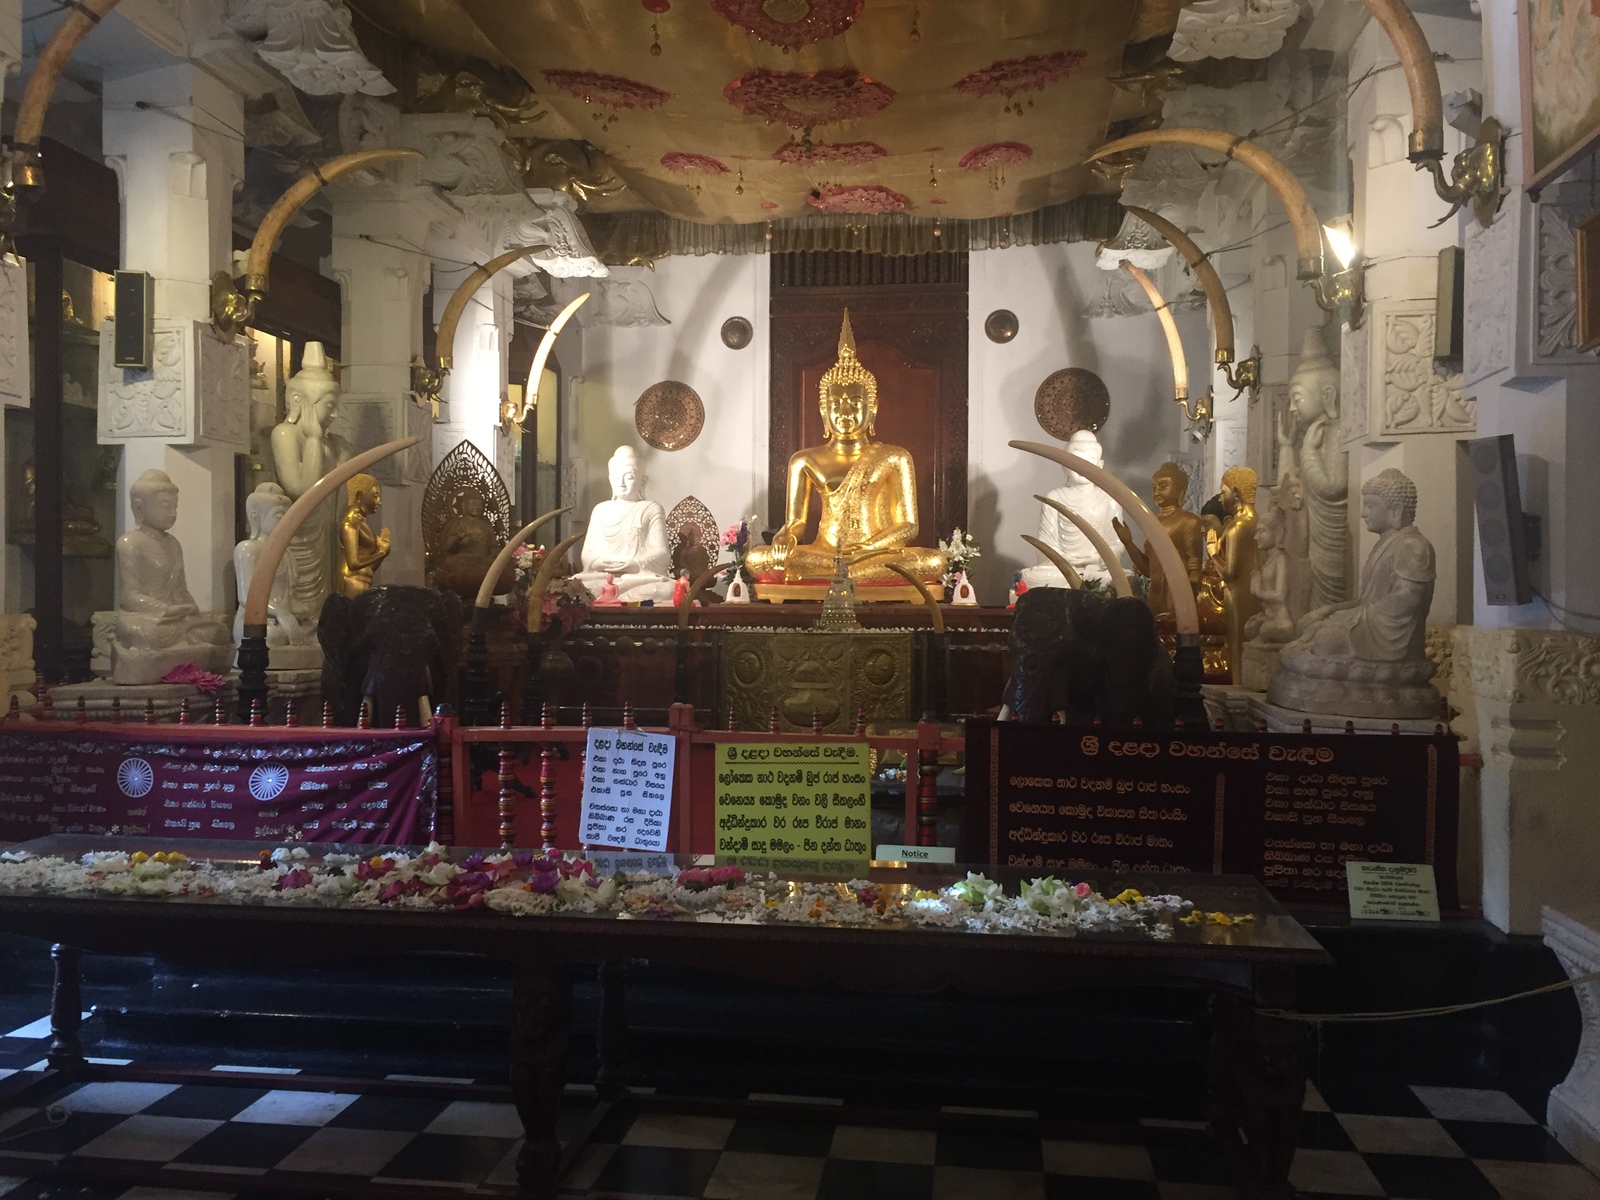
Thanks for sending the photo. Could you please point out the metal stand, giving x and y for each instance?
(253, 659)
(1188, 673)
(478, 703)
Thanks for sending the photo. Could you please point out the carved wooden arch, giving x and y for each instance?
(466, 468)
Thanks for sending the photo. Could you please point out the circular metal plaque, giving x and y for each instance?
(736, 333)
(1069, 400)
(1001, 325)
(669, 415)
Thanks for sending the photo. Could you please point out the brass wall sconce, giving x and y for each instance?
(1477, 175)
(514, 414)
(233, 302)
(428, 382)
(1342, 291)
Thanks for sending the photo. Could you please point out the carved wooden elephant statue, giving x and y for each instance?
(1088, 654)
(390, 647)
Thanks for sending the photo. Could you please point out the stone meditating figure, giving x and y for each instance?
(467, 547)
(1235, 557)
(289, 643)
(361, 550)
(867, 492)
(304, 450)
(158, 624)
(1367, 657)
(627, 538)
(1167, 488)
(1315, 467)
(1090, 503)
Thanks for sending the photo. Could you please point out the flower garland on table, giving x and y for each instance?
(522, 883)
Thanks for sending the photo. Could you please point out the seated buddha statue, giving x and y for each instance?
(867, 490)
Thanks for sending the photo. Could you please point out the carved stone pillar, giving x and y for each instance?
(1530, 704)
(1574, 1111)
(168, 133)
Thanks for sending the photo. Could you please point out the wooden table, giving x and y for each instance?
(1257, 1072)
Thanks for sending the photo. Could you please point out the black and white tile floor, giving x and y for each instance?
(1361, 1136)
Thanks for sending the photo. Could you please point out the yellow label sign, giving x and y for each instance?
(781, 803)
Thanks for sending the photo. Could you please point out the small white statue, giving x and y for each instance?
(289, 643)
(738, 593)
(1089, 502)
(964, 593)
(627, 539)
(1367, 656)
(159, 626)
(304, 449)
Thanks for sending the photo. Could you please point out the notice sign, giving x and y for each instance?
(785, 802)
(1290, 809)
(627, 789)
(1392, 891)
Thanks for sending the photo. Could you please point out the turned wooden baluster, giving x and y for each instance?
(816, 722)
(46, 700)
(327, 714)
(927, 785)
(400, 716)
(861, 722)
(82, 715)
(627, 715)
(733, 720)
(772, 721)
(255, 714)
(185, 716)
(150, 710)
(291, 716)
(219, 714)
(508, 797)
(364, 717)
(547, 783)
(587, 721)
(116, 710)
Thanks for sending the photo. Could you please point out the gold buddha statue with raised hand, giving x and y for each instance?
(867, 490)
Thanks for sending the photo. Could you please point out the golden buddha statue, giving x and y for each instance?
(867, 489)
(360, 550)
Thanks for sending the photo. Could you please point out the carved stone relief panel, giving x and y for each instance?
(152, 403)
(1558, 283)
(224, 390)
(1265, 414)
(1355, 361)
(371, 419)
(1416, 398)
(14, 382)
(1490, 297)
(418, 465)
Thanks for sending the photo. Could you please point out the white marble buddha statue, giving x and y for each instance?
(158, 624)
(1089, 502)
(1367, 657)
(627, 538)
(289, 643)
(304, 450)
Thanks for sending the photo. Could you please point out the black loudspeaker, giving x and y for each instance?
(134, 296)
(1502, 530)
(1447, 329)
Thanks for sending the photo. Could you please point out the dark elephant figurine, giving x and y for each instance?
(392, 645)
(1089, 654)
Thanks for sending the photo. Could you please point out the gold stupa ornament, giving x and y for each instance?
(866, 490)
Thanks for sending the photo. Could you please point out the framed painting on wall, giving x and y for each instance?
(1560, 85)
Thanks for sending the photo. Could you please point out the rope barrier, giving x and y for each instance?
(1407, 1014)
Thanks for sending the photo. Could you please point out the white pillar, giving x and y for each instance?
(170, 133)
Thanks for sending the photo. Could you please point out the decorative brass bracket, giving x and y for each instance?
(1198, 412)
(428, 382)
(1245, 374)
(1342, 293)
(231, 308)
(1477, 174)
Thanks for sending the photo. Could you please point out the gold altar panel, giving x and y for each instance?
(713, 128)
(834, 674)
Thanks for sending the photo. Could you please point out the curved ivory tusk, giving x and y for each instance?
(1074, 580)
(1119, 577)
(695, 588)
(546, 344)
(1200, 264)
(1188, 617)
(446, 339)
(52, 61)
(1307, 230)
(255, 271)
(927, 596)
(867, 556)
(541, 579)
(1422, 77)
(1180, 365)
(266, 569)
(486, 588)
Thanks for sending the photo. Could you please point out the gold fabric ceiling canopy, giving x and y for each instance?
(756, 110)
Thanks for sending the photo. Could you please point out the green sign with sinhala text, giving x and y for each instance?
(793, 805)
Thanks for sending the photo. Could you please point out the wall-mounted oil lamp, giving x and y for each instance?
(1341, 292)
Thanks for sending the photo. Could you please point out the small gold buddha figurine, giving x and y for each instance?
(867, 490)
(360, 550)
(1167, 487)
(1235, 557)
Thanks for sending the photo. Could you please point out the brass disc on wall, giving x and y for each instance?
(1001, 325)
(1069, 400)
(737, 332)
(669, 415)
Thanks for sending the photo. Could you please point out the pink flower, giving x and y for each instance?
(1083, 891)
(297, 878)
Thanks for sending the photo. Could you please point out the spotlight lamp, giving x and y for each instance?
(1341, 291)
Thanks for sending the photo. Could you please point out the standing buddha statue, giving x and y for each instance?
(867, 491)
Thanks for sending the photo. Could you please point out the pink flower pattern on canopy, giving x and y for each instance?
(996, 154)
(682, 162)
(613, 91)
(657, 6)
(803, 100)
(868, 199)
(849, 154)
(789, 23)
(1011, 75)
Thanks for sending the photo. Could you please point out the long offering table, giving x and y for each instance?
(885, 928)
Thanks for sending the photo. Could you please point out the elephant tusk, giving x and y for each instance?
(52, 61)
(695, 588)
(446, 338)
(1185, 612)
(255, 604)
(1200, 263)
(1180, 366)
(927, 596)
(486, 588)
(1119, 577)
(542, 354)
(1074, 580)
(1307, 230)
(1422, 77)
(542, 578)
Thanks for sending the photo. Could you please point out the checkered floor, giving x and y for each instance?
(162, 1141)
